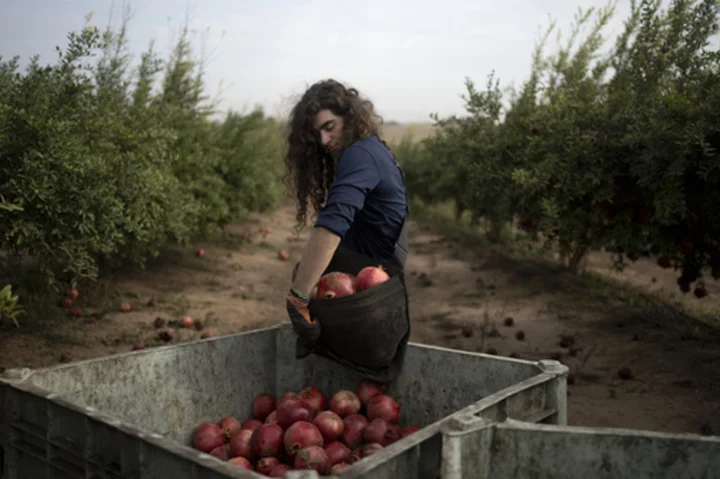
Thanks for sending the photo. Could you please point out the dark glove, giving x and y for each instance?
(307, 330)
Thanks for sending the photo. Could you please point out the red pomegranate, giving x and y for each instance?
(380, 432)
(263, 405)
(240, 444)
(266, 465)
(344, 403)
(300, 435)
(312, 457)
(251, 424)
(368, 389)
(352, 435)
(229, 426)
(371, 276)
(291, 411)
(221, 452)
(241, 462)
(314, 397)
(340, 467)
(267, 440)
(335, 285)
(271, 419)
(370, 449)
(383, 407)
(337, 452)
(331, 425)
(208, 436)
(279, 470)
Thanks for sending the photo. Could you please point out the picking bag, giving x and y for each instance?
(367, 331)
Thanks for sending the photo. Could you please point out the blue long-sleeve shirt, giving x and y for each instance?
(366, 206)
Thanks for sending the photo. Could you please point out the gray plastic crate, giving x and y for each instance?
(132, 415)
(478, 448)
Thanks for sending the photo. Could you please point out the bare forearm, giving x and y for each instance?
(318, 252)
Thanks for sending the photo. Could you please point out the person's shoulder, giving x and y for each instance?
(371, 146)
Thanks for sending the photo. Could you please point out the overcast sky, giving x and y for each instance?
(409, 56)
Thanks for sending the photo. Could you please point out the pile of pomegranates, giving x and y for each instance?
(306, 430)
(337, 284)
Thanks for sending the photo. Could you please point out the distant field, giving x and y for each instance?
(393, 133)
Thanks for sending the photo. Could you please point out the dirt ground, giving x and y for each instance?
(461, 296)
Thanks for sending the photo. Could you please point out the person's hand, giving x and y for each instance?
(305, 327)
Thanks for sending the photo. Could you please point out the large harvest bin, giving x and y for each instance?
(132, 415)
(482, 449)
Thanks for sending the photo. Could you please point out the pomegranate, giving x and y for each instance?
(229, 426)
(77, 312)
(240, 444)
(271, 419)
(291, 411)
(352, 435)
(125, 307)
(200, 252)
(314, 397)
(370, 449)
(187, 322)
(378, 431)
(251, 424)
(300, 435)
(368, 389)
(371, 276)
(406, 431)
(279, 470)
(287, 396)
(383, 407)
(67, 302)
(355, 455)
(73, 294)
(335, 285)
(331, 425)
(267, 440)
(345, 403)
(394, 431)
(337, 452)
(208, 436)
(340, 467)
(221, 452)
(241, 462)
(312, 457)
(263, 405)
(266, 465)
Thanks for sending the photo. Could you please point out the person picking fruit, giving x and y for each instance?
(345, 172)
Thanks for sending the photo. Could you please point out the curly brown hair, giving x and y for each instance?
(310, 169)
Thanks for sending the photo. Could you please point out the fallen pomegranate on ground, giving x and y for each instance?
(306, 429)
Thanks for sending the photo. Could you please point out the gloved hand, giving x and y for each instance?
(305, 327)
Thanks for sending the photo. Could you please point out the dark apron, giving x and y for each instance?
(366, 332)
